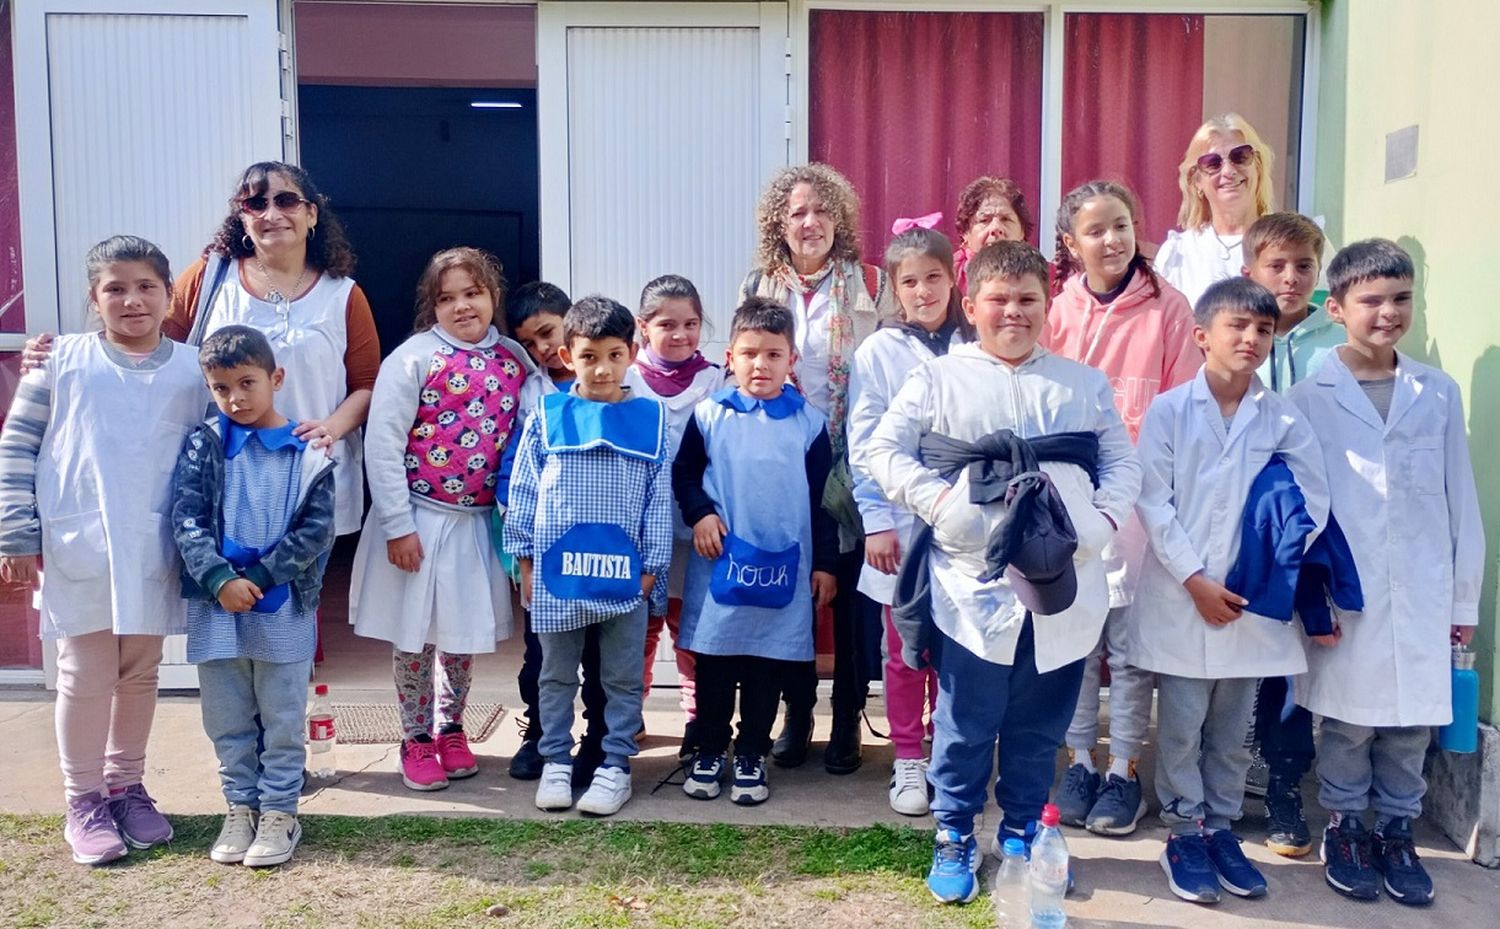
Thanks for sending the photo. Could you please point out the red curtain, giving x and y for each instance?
(12, 311)
(913, 106)
(1132, 98)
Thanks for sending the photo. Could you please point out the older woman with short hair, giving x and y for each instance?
(808, 259)
(990, 209)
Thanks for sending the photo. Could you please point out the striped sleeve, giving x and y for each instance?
(20, 444)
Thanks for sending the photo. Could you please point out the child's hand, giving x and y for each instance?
(19, 570)
(824, 588)
(708, 536)
(239, 595)
(883, 551)
(1462, 635)
(525, 564)
(1217, 604)
(405, 552)
(648, 584)
(1332, 638)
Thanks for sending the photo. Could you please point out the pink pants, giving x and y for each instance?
(686, 674)
(106, 698)
(910, 696)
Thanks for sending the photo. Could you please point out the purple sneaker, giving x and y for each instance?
(90, 830)
(136, 816)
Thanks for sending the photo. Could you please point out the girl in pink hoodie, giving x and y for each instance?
(1112, 312)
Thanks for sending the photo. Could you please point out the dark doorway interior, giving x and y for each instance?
(412, 170)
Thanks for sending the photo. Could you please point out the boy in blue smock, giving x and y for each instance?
(590, 523)
(749, 478)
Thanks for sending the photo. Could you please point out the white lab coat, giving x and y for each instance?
(1193, 494)
(967, 395)
(881, 366)
(1404, 494)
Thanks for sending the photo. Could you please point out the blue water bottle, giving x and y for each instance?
(1462, 735)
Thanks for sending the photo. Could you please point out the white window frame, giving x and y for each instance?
(1053, 36)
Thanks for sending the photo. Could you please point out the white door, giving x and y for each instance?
(659, 123)
(135, 116)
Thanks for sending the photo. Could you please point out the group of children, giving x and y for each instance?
(1045, 482)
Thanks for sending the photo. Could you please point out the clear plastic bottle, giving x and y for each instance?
(322, 736)
(1010, 892)
(1049, 873)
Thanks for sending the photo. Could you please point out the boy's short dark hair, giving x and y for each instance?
(762, 314)
(234, 346)
(1368, 260)
(1284, 229)
(1005, 259)
(534, 299)
(598, 317)
(1235, 293)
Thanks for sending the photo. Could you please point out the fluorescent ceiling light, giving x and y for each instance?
(495, 105)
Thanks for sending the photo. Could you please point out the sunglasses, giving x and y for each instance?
(1212, 163)
(286, 201)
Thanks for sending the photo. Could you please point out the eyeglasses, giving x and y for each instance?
(1211, 163)
(285, 201)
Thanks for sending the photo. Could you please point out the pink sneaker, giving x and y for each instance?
(453, 751)
(419, 766)
(91, 832)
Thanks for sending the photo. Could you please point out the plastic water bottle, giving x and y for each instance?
(1049, 873)
(1010, 892)
(1462, 735)
(322, 736)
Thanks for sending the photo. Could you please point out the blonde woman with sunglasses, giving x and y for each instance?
(1225, 178)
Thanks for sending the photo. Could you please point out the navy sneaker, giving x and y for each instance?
(749, 786)
(1189, 871)
(704, 775)
(1346, 856)
(1395, 857)
(1286, 828)
(955, 859)
(1119, 807)
(528, 762)
(1076, 796)
(1236, 874)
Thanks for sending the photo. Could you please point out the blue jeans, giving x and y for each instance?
(622, 668)
(979, 701)
(255, 713)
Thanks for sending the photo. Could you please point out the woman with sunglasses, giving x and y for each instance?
(1225, 178)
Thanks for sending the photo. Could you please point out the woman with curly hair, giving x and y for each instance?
(280, 263)
(808, 260)
(990, 209)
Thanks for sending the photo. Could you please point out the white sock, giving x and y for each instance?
(1121, 768)
(1085, 758)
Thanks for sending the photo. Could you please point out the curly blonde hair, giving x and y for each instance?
(1195, 212)
(838, 197)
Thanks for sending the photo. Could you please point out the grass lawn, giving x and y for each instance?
(407, 872)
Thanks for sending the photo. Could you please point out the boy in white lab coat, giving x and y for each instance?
(1202, 446)
(1392, 435)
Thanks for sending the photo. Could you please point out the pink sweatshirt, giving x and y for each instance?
(1144, 344)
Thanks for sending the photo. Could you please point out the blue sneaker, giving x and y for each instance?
(1119, 807)
(1401, 871)
(1076, 795)
(704, 775)
(749, 786)
(1346, 855)
(955, 859)
(1236, 874)
(1189, 870)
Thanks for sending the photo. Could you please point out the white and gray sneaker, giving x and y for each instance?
(555, 790)
(704, 776)
(909, 787)
(236, 835)
(276, 837)
(608, 792)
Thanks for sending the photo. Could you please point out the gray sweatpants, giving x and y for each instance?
(1129, 696)
(1364, 766)
(1201, 756)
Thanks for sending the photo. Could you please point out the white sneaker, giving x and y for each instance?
(909, 787)
(608, 792)
(555, 790)
(236, 836)
(275, 839)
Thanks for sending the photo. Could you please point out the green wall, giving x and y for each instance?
(1387, 64)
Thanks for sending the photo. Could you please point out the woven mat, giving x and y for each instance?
(375, 723)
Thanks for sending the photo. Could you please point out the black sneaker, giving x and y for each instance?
(1286, 828)
(790, 750)
(587, 761)
(527, 764)
(1401, 871)
(843, 754)
(1346, 855)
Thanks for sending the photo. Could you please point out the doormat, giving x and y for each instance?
(376, 723)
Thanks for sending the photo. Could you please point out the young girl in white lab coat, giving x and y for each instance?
(86, 460)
